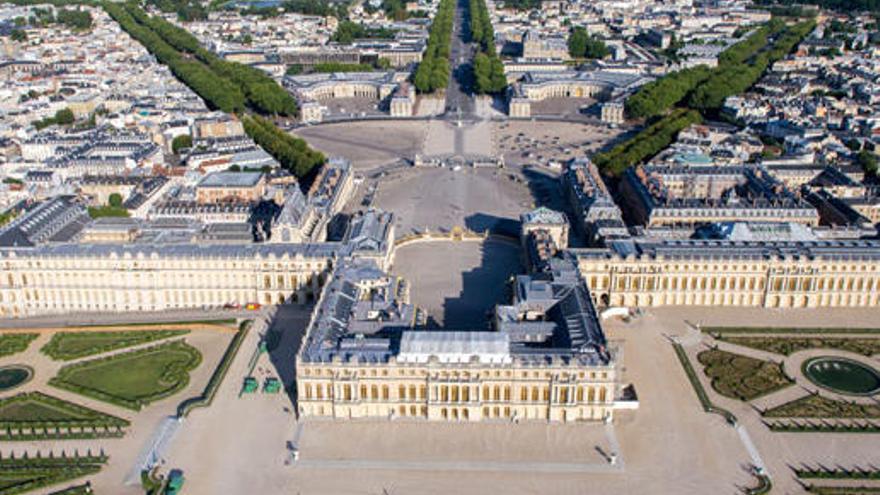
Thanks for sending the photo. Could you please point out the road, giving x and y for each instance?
(459, 93)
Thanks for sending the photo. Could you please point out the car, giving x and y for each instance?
(232, 305)
(252, 306)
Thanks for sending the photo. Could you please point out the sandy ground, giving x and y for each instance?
(367, 144)
(441, 198)
(123, 452)
(457, 283)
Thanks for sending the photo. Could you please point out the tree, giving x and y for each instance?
(577, 42)
(18, 35)
(184, 141)
(582, 45)
(64, 117)
(115, 200)
(868, 162)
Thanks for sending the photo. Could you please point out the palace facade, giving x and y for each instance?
(364, 355)
(726, 273)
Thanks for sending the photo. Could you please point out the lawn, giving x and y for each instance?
(65, 346)
(816, 406)
(789, 345)
(132, 379)
(741, 377)
(14, 343)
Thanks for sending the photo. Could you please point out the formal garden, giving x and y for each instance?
(65, 346)
(13, 343)
(742, 377)
(37, 416)
(129, 366)
(24, 474)
(132, 379)
(841, 405)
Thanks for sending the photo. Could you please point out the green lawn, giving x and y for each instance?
(132, 379)
(65, 346)
(14, 343)
(789, 345)
(816, 406)
(38, 409)
(741, 377)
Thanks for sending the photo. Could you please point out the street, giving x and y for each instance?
(459, 93)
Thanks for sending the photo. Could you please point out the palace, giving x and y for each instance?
(547, 358)
(388, 88)
(78, 277)
(597, 84)
(734, 273)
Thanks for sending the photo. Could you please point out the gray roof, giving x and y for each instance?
(231, 179)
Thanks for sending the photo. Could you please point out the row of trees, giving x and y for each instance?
(582, 45)
(293, 153)
(739, 67)
(223, 85)
(488, 69)
(658, 96)
(701, 89)
(259, 91)
(348, 31)
(481, 26)
(731, 77)
(646, 143)
(217, 92)
(433, 71)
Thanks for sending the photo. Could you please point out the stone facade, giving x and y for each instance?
(463, 392)
(723, 273)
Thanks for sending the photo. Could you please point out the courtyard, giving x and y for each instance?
(458, 283)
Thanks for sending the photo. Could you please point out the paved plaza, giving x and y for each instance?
(368, 144)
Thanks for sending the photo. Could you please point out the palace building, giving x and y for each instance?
(802, 274)
(386, 87)
(364, 355)
(598, 84)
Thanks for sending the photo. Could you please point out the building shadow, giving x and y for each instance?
(283, 339)
(483, 287)
(544, 188)
(482, 222)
